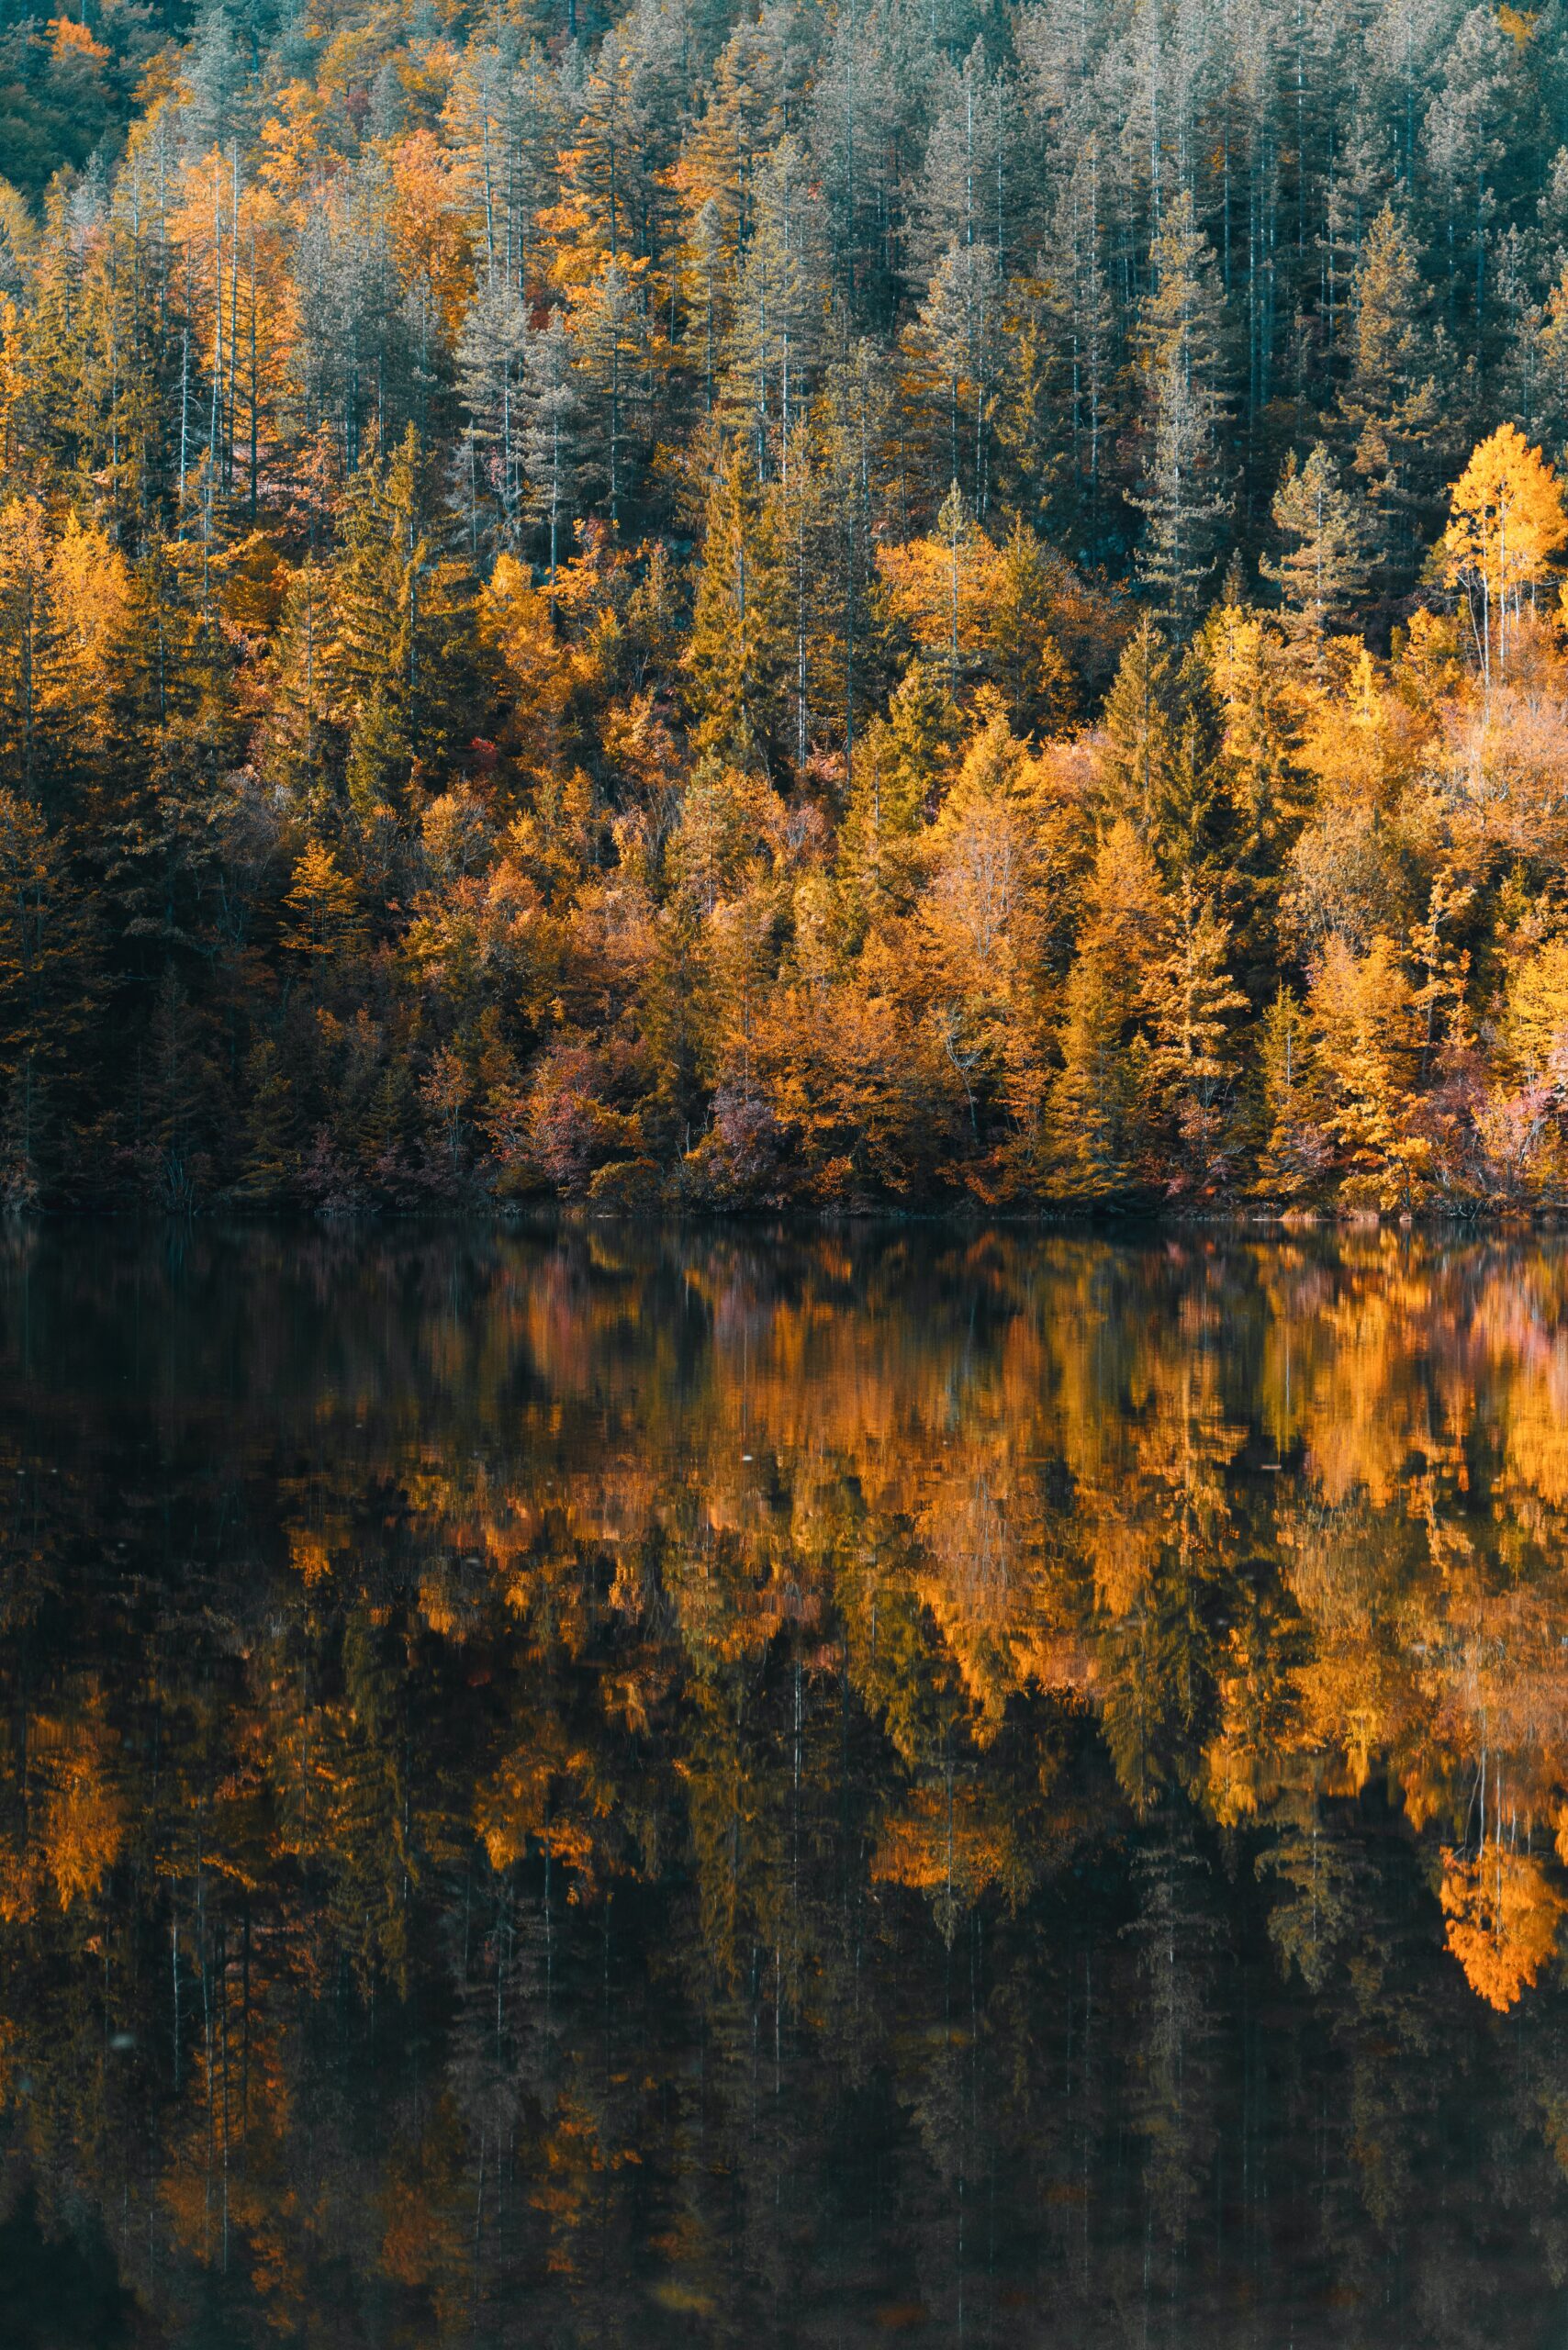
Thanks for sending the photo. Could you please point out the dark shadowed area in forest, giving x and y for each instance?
(603, 1785)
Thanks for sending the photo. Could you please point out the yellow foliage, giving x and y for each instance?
(291, 139)
(1508, 522)
(321, 902)
(429, 236)
(1536, 1017)
(90, 590)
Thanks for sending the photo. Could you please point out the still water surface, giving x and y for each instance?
(613, 1787)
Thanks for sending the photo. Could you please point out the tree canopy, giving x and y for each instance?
(521, 533)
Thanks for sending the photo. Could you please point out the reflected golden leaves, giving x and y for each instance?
(1503, 1917)
(1279, 1515)
(829, 1596)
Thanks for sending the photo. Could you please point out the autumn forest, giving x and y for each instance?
(907, 603)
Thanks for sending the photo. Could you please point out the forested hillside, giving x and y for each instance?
(902, 601)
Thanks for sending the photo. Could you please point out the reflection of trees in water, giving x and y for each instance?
(763, 1787)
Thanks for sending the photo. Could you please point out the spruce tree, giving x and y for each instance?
(610, 329)
(1327, 554)
(551, 428)
(958, 333)
(1099, 1108)
(396, 670)
(1141, 727)
(775, 333)
(1389, 408)
(492, 357)
(1191, 1001)
(740, 653)
(1183, 492)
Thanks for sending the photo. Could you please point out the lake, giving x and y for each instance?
(606, 1784)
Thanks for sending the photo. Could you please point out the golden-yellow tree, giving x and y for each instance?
(1507, 523)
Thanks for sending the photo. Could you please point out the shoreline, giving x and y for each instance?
(1110, 1222)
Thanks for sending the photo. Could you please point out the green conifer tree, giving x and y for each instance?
(741, 652)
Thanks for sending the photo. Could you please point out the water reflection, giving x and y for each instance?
(615, 1787)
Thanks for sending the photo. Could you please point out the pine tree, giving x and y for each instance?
(1183, 495)
(492, 359)
(1060, 404)
(1366, 1039)
(958, 334)
(1190, 998)
(611, 331)
(299, 744)
(740, 653)
(776, 326)
(1389, 407)
(145, 822)
(1023, 656)
(1463, 147)
(323, 917)
(957, 536)
(1326, 556)
(965, 191)
(1182, 511)
(1296, 1149)
(90, 597)
(1141, 726)
(851, 433)
(551, 437)
(706, 271)
(397, 665)
(1098, 1105)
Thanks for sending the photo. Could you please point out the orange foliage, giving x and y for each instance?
(1503, 1918)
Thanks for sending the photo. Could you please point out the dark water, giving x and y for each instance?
(620, 1787)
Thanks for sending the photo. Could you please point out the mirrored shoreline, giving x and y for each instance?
(627, 1785)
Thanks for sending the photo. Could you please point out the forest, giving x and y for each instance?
(901, 601)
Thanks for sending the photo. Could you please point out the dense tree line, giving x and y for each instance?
(911, 602)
